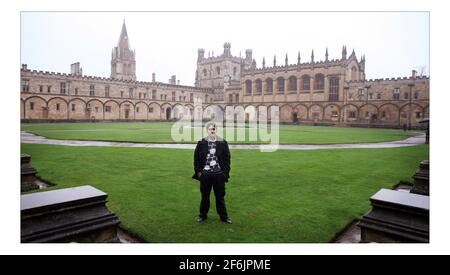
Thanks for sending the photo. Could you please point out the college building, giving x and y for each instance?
(325, 91)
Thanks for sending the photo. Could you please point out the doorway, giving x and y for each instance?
(168, 111)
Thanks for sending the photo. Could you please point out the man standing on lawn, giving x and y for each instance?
(212, 169)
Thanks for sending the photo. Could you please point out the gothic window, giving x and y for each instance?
(292, 83)
(41, 88)
(352, 114)
(334, 89)
(218, 70)
(269, 86)
(49, 89)
(378, 96)
(31, 105)
(137, 109)
(258, 86)
(248, 87)
(25, 85)
(57, 106)
(396, 94)
(121, 93)
(62, 88)
(107, 91)
(173, 96)
(406, 95)
(416, 95)
(76, 91)
(150, 109)
(234, 71)
(383, 114)
(130, 91)
(306, 82)
(191, 97)
(91, 90)
(205, 72)
(360, 92)
(73, 107)
(230, 98)
(237, 98)
(107, 109)
(154, 94)
(280, 84)
(319, 82)
(370, 96)
(354, 71)
(96, 109)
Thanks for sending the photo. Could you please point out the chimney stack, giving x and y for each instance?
(173, 80)
(75, 69)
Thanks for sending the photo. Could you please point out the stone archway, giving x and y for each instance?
(168, 113)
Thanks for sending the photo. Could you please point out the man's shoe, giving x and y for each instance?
(201, 219)
(227, 220)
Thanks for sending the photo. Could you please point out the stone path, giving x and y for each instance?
(35, 139)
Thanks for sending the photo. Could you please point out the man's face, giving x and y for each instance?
(212, 131)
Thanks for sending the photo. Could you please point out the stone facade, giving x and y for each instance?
(329, 91)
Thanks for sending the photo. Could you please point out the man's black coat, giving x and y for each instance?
(222, 153)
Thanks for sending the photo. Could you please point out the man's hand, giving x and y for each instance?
(199, 174)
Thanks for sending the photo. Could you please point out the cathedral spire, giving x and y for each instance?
(326, 55)
(264, 62)
(286, 60)
(274, 60)
(298, 58)
(123, 59)
(312, 56)
(123, 39)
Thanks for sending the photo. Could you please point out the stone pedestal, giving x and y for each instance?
(422, 179)
(396, 217)
(27, 174)
(68, 215)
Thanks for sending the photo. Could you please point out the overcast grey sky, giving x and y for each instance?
(166, 43)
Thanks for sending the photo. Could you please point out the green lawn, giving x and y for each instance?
(279, 197)
(161, 132)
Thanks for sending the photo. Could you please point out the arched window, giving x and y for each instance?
(280, 85)
(269, 86)
(218, 70)
(248, 87)
(334, 89)
(234, 71)
(258, 86)
(292, 83)
(319, 82)
(205, 72)
(354, 73)
(306, 82)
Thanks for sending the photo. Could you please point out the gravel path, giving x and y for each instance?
(34, 139)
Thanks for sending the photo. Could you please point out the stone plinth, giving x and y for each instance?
(68, 215)
(27, 174)
(396, 217)
(422, 179)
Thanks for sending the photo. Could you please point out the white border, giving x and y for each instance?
(10, 49)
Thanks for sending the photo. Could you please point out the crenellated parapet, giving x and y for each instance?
(105, 80)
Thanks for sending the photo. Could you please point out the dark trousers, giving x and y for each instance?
(207, 182)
